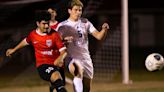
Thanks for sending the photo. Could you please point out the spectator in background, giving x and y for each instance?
(53, 22)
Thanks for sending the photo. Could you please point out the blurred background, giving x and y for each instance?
(146, 30)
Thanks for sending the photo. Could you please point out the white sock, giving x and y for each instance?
(78, 86)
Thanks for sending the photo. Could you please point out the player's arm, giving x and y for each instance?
(60, 60)
(20, 45)
(100, 35)
(62, 50)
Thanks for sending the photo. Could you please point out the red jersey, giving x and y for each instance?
(47, 47)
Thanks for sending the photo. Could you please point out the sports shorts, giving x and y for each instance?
(45, 71)
(85, 64)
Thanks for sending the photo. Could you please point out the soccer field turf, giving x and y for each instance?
(97, 87)
(28, 80)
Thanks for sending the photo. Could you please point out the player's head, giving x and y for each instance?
(75, 9)
(53, 12)
(42, 20)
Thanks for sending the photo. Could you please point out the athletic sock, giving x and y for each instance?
(59, 85)
(78, 86)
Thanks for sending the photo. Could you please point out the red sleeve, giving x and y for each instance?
(28, 38)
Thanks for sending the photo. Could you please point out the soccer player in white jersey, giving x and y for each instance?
(79, 61)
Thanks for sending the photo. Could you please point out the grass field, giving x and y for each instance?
(16, 77)
(141, 81)
(97, 87)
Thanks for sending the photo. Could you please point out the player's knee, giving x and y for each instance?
(56, 75)
(58, 85)
(78, 71)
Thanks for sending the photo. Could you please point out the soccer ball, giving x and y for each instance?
(154, 61)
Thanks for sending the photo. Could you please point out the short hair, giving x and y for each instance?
(53, 8)
(42, 15)
(73, 3)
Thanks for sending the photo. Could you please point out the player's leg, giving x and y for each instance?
(61, 70)
(57, 82)
(76, 69)
(87, 75)
(62, 73)
(51, 73)
(86, 84)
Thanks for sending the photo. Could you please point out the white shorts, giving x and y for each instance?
(86, 65)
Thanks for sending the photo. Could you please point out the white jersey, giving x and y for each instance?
(79, 47)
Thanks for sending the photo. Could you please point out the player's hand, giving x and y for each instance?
(58, 63)
(9, 52)
(60, 60)
(105, 26)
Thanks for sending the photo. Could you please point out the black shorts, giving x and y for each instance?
(45, 71)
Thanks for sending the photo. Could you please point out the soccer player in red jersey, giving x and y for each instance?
(49, 50)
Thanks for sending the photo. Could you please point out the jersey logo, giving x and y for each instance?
(35, 42)
(48, 43)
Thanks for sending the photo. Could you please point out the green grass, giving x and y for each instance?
(18, 79)
(142, 81)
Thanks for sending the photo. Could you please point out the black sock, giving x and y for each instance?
(59, 85)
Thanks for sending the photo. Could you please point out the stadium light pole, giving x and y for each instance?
(125, 42)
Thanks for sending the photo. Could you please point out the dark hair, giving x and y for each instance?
(73, 3)
(42, 15)
(53, 8)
